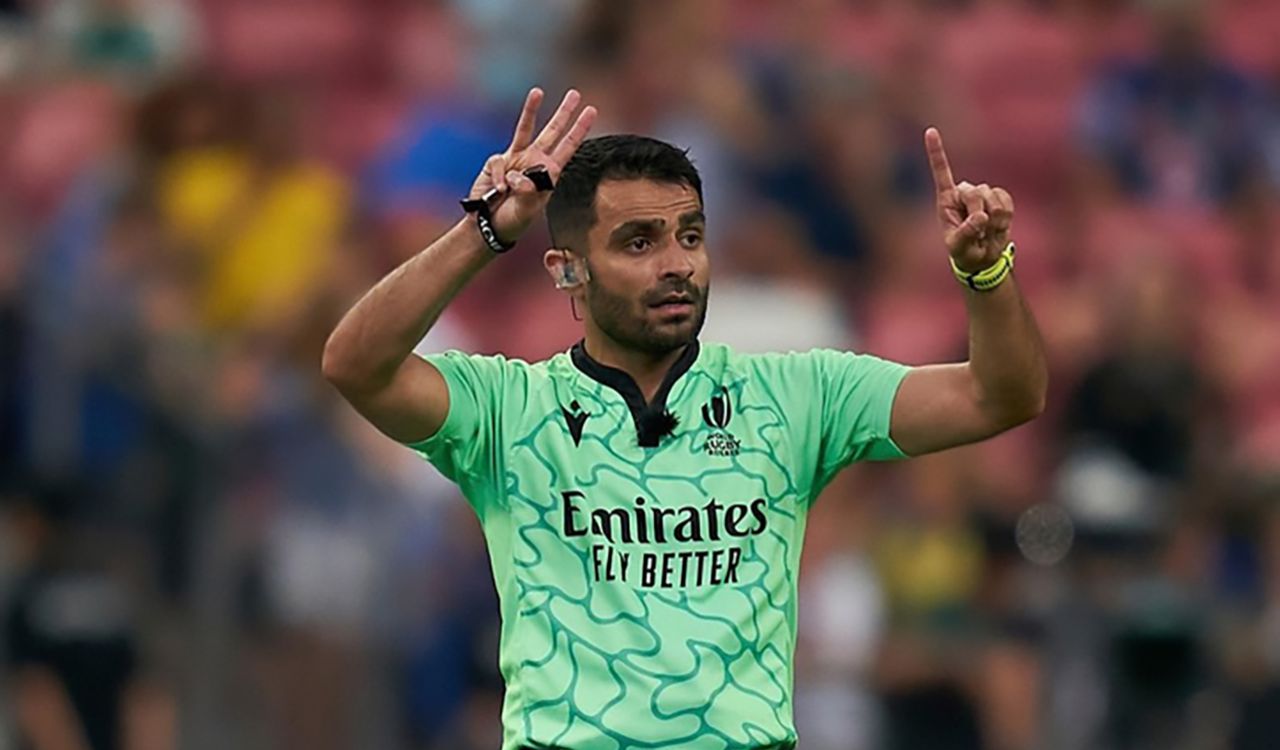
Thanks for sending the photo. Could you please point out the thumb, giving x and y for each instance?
(525, 194)
(970, 230)
(519, 206)
(520, 185)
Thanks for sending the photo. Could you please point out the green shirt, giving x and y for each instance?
(648, 580)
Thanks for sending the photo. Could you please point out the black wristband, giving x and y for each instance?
(484, 220)
(481, 207)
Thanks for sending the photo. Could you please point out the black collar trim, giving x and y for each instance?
(647, 426)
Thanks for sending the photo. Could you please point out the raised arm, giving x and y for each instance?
(368, 357)
(1004, 382)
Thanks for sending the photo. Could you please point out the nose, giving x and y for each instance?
(676, 262)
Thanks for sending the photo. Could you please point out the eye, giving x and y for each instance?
(691, 240)
(639, 244)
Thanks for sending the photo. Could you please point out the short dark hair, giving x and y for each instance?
(571, 210)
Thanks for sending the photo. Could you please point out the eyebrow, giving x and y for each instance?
(690, 218)
(653, 226)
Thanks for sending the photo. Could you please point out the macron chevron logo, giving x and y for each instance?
(575, 418)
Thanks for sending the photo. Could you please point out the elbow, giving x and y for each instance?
(1023, 409)
(1039, 396)
(1008, 416)
(1011, 401)
(334, 366)
(349, 370)
(1008, 407)
(1033, 409)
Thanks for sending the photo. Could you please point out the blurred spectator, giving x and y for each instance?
(132, 40)
(426, 167)
(930, 558)
(1158, 657)
(770, 294)
(507, 45)
(667, 69)
(1142, 397)
(845, 621)
(69, 633)
(1180, 125)
(261, 220)
(1132, 420)
(814, 140)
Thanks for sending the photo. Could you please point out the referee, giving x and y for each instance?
(644, 494)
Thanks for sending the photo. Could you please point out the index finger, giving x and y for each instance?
(559, 122)
(938, 164)
(528, 117)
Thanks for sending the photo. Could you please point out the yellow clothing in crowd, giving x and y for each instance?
(929, 572)
(267, 237)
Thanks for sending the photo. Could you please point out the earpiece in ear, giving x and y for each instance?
(569, 275)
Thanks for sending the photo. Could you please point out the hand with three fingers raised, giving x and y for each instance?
(518, 200)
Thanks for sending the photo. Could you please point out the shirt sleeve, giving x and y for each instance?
(465, 448)
(854, 394)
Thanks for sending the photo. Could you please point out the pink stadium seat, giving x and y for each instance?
(874, 38)
(354, 123)
(1023, 73)
(1208, 242)
(271, 38)
(914, 325)
(1111, 233)
(1247, 34)
(1205, 243)
(1105, 36)
(914, 312)
(55, 133)
(752, 22)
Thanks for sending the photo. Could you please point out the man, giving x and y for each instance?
(644, 495)
(67, 635)
(1181, 125)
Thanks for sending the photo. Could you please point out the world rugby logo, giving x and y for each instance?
(717, 413)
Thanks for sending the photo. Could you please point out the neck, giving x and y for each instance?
(646, 369)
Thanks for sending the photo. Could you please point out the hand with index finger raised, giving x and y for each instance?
(973, 238)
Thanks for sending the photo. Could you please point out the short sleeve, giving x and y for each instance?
(465, 448)
(855, 393)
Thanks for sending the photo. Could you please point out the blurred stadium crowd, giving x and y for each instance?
(200, 546)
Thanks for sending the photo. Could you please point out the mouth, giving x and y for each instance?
(675, 304)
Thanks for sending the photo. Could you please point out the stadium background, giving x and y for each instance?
(192, 193)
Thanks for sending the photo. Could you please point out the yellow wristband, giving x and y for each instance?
(988, 278)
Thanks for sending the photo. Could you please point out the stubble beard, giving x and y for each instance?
(630, 323)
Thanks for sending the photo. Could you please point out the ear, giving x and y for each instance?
(566, 271)
(556, 261)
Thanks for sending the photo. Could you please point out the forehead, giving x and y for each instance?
(619, 201)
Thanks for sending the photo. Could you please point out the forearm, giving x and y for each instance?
(1006, 354)
(376, 336)
(1005, 380)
